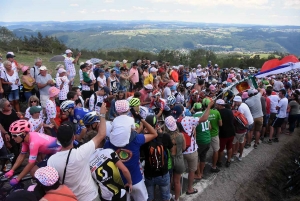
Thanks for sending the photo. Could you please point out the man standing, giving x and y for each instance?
(227, 132)
(117, 68)
(70, 67)
(44, 82)
(134, 74)
(278, 84)
(254, 104)
(10, 56)
(281, 115)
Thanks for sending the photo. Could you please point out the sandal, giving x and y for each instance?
(194, 192)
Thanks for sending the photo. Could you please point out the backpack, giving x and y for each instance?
(187, 137)
(241, 120)
(157, 155)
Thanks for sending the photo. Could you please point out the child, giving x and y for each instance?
(37, 125)
(122, 125)
(86, 77)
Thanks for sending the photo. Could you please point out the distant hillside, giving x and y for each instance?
(155, 36)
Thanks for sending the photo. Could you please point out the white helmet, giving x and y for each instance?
(171, 100)
(67, 105)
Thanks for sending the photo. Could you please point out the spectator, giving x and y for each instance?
(134, 74)
(62, 83)
(44, 82)
(51, 110)
(28, 83)
(113, 82)
(98, 98)
(70, 67)
(294, 112)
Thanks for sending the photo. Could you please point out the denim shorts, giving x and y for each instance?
(163, 182)
(13, 95)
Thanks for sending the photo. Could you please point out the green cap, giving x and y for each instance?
(206, 101)
(35, 109)
(197, 106)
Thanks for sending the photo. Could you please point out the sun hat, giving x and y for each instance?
(24, 69)
(35, 109)
(220, 102)
(170, 122)
(43, 68)
(68, 51)
(122, 106)
(148, 86)
(245, 95)
(237, 99)
(47, 176)
(197, 106)
(176, 111)
(53, 91)
(61, 70)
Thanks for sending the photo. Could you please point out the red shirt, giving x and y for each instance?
(268, 105)
(144, 95)
(174, 75)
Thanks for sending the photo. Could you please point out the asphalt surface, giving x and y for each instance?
(231, 183)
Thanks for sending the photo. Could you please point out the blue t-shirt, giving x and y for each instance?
(130, 156)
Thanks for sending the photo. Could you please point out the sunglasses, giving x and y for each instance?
(33, 101)
(16, 135)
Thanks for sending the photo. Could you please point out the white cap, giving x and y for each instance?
(43, 68)
(220, 102)
(117, 62)
(189, 84)
(125, 61)
(237, 99)
(68, 51)
(148, 86)
(89, 62)
(153, 69)
(199, 65)
(152, 63)
(61, 70)
(216, 65)
(11, 53)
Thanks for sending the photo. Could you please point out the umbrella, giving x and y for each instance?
(276, 66)
(58, 58)
(95, 60)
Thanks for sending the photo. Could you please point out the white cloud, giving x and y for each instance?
(83, 11)
(164, 11)
(101, 11)
(182, 11)
(116, 10)
(292, 4)
(109, 1)
(74, 5)
(139, 8)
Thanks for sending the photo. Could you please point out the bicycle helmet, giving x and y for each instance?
(19, 126)
(134, 102)
(67, 105)
(90, 118)
(171, 100)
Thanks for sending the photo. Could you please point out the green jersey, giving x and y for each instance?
(214, 118)
(202, 131)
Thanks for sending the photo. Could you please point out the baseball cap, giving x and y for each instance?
(148, 86)
(61, 70)
(205, 102)
(176, 111)
(43, 68)
(220, 102)
(10, 55)
(237, 99)
(197, 106)
(170, 122)
(68, 51)
(189, 84)
(35, 109)
(65, 134)
(152, 63)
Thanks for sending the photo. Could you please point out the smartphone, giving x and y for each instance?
(127, 189)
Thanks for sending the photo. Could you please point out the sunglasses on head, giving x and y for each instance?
(16, 135)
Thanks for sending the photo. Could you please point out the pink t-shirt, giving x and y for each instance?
(39, 143)
(135, 77)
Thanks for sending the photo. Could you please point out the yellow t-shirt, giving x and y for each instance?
(148, 80)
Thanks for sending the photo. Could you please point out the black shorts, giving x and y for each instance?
(202, 151)
(277, 122)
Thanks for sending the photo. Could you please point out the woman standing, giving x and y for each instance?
(7, 117)
(176, 153)
(28, 82)
(124, 80)
(101, 79)
(11, 77)
(113, 82)
(294, 112)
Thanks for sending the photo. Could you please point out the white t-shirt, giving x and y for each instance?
(244, 109)
(65, 89)
(102, 81)
(198, 72)
(277, 85)
(78, 175)
(166, 93)
(193, 77)
(283, 104)
(35, 124)
(274, 99)
(86, 87)
(50, 110)
(6, 77)
(93, 105)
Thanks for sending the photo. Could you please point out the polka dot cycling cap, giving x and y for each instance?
(48, 176)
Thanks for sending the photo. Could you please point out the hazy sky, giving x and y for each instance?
(270, 12)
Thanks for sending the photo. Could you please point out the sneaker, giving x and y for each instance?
(227, 163)
(255, 146)
(239, 158)
(216, 170)
(269, 141)
(275, 139)
(219, 164)
(247, 146)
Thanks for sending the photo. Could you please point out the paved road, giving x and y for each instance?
(230, 183)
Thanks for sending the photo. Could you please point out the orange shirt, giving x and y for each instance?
(62, 193)
(174, 75)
